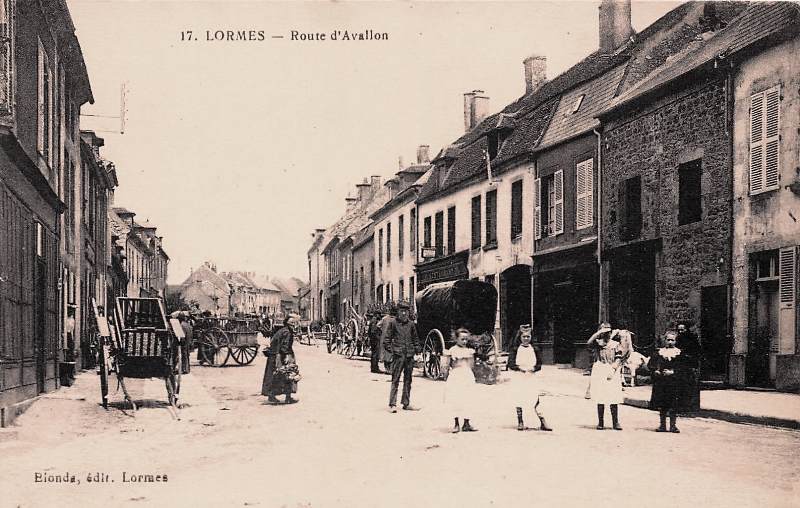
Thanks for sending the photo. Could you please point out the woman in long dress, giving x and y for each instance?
(460, 388)
(279, 354)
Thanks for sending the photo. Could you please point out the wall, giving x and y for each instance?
(652, 141)
(769, 220)
(363, 255)
(396, 269)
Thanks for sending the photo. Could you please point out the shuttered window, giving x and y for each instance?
(412, 240)
(516, 209)
(765, 140)
(388, 242)
(558, 202)
(491, 218)
(439, 235)
(537, 208)
(476, 222)
(426, 232)
(788, 275)
(584, 200)
(400, 236)
(451, 230)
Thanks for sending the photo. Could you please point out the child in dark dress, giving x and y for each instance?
(670, 369)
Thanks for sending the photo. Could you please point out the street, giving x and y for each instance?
(340, 447)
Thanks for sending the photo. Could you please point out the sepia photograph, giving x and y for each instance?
(389, 253)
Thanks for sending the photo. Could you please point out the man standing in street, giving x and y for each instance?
(374, 332)
(389, 315)
(401, 341)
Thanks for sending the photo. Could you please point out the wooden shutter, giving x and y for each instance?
(537, 208)
(787, 297)
(764, 140)
(584, 179)
(558, 182)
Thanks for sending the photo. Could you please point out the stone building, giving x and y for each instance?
(765, 81)
(667, 206)
(43, 84)
(207, 290)
(364, 269)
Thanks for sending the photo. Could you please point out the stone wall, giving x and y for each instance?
(652, 141)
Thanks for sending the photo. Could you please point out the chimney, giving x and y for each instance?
(375, 182)
(423, 155)
(535, 72)
(364, 190)
(476, 108)
(615, 24)
(351, 203)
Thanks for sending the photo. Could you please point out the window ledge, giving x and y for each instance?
(517, 238)
(763, 192)
(490, 246)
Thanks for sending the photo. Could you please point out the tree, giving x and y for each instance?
(175, 301)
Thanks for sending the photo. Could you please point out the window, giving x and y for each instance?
(439, 234)
(411, 288)
(401, 289)
(495, 141)
(516, 209)
(766, 265)
(489, 279)
(412, 242)
(578, 103)
(584, 199)
(400, 236)
(426, 232)
(491, 218)
(380, 249)
(476, 222)
(451, 230)
(689, 192)
(549, 208)
(372, 277)
(44, 138)
(388, 242)
(629, 208)
(765, 140)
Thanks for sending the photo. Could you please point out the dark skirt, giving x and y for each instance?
(274, 383)
(672, 393)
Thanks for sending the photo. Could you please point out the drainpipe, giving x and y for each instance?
(599, 227)
(729, 121)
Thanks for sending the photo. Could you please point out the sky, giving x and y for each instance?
(237, 150)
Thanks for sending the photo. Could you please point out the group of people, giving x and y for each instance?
(673, 368)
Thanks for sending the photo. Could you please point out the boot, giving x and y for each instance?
(672, 427)
(601, 409)
(271, 399)
(520, 423)
(662, 427)
(615, 417)
(543, 424)
(467, 427)
(456, 427)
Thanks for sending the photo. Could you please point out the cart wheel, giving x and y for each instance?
(432, 355)
(351, 338)
(244, 355)
(211, 347)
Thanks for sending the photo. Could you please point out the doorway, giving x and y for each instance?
(716, 341)
(39, 319)
(515, 300)
(632, 292)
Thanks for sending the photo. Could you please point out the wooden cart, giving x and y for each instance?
(446, 306)
(219, 339)
(138, 342)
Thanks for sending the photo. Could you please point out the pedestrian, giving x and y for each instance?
(281, 373)
(401, 342)
(374, 333)
(689, 345)
(671, 371)
(606, 377)
(188, 336)
(389, 315)
(205, 352)
(527, 388)
(460, 387)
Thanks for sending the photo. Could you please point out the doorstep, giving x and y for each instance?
(10, 413)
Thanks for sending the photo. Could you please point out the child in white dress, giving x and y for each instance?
(460, 388)
(527, 389)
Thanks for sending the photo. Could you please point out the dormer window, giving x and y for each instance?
(495, 141)
(578, 103)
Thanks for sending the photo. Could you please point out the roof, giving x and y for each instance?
(758, 22)
(403, 196)
(590, 98)
(364, 235)
(205, 273)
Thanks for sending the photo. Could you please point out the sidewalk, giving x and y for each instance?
(738, 406)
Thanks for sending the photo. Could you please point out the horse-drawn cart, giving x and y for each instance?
(138, 342)
(444, 307)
